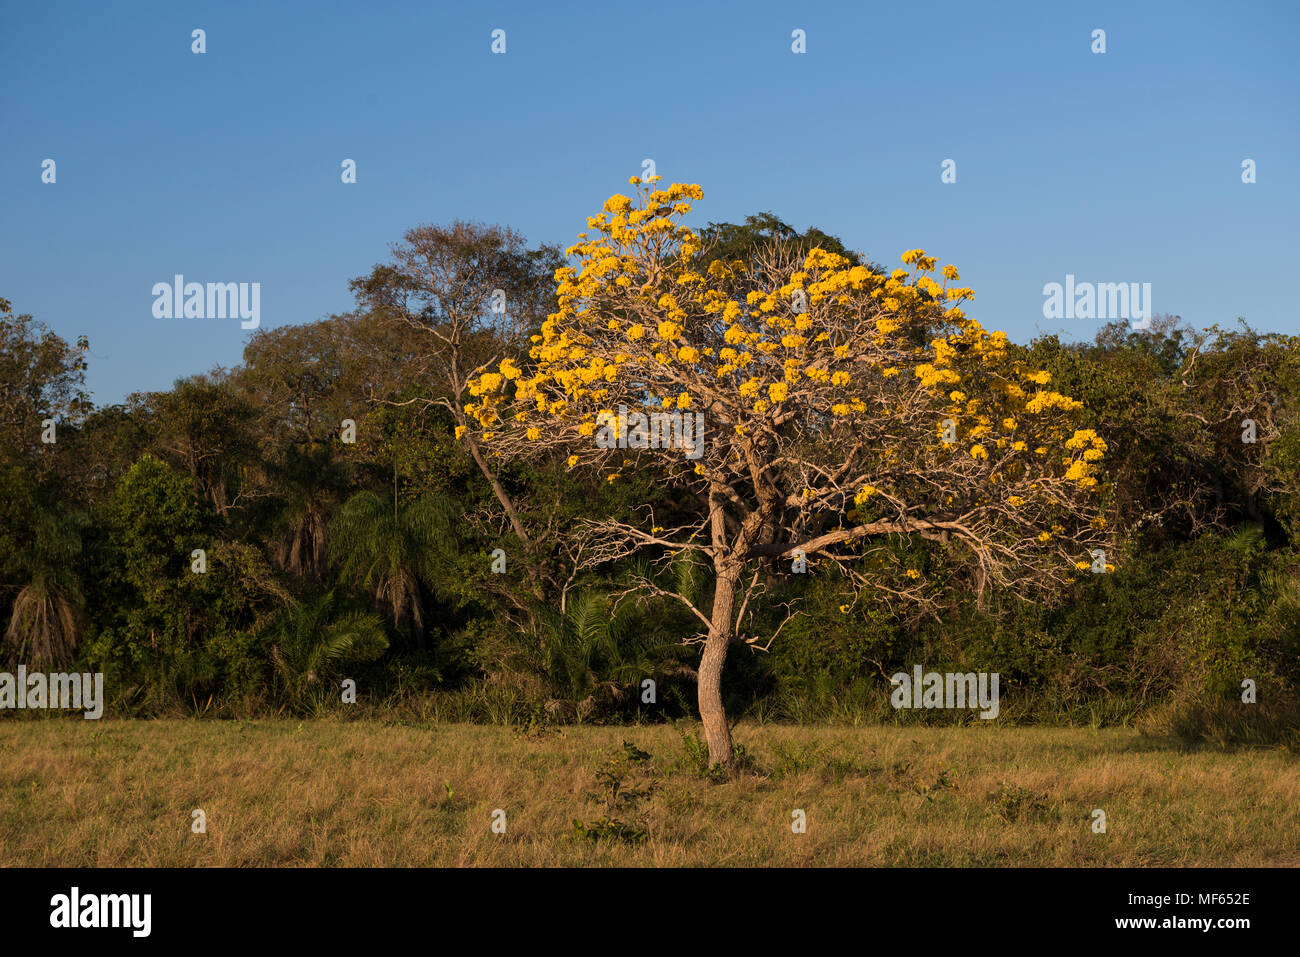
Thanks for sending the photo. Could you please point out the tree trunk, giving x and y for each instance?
(714, 719)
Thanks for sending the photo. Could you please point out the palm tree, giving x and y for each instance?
(46, 621)
(310, 480)
(390, 551)
(590, 653)
(309, 639)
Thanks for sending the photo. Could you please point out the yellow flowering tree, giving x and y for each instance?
(840, 406)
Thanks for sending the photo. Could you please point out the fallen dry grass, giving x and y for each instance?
(337, 793)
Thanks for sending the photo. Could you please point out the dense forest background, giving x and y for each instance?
(372, 559)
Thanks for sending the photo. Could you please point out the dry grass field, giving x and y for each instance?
(359, 793)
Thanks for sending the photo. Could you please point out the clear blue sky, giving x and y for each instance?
(1122, 167)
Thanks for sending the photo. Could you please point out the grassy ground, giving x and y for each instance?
(361, 794)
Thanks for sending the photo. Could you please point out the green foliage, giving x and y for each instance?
(762, 231)
(374, 556)
(392, 550)
(1210, 719)
(310, 641)
(588, 662)
(610, 830)
(1015, 803)
(695, 758)
(625, 780)
(46, 619)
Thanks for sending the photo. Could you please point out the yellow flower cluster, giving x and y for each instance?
(1093, 447)
(866, 493)
(1042, 401)
(641, 319)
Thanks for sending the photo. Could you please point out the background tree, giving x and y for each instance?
(444, 282)
(46, 622)
(391, 550)
(41, 377)
(310, 640)
(307, 482)
(762, 234)
(202, 426)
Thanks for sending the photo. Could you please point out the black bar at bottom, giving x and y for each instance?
(646, 907)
